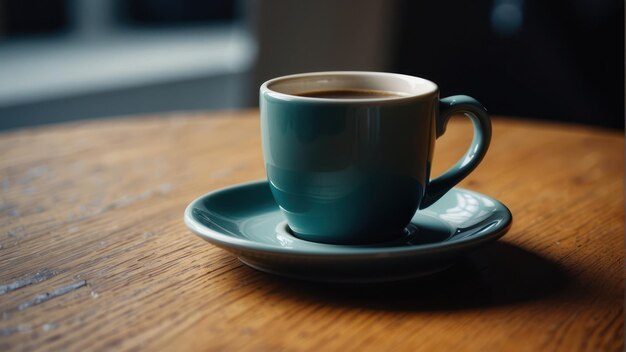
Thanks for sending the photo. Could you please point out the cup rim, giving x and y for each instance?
(427, 87)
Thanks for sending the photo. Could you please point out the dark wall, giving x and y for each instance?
(28, 17)
(560, 59)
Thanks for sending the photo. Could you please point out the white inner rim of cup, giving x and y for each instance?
(402, 86)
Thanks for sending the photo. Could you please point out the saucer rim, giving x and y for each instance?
(321, 250)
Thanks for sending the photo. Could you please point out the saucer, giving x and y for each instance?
(244, 220)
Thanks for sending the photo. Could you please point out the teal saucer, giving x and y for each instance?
(244, 220)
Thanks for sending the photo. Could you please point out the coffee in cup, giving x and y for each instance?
(348, 154)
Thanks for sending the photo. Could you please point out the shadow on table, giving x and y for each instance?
(499, 274)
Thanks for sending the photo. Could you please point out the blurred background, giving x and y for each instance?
(63, 60)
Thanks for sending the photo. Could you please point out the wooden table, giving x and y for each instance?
(94, 254)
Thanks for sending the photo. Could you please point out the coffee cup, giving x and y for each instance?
(348, 154)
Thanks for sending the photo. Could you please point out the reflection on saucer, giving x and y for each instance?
(469, 209)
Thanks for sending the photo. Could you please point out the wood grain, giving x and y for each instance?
(94, 254)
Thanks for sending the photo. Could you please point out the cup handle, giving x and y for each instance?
(470, 107)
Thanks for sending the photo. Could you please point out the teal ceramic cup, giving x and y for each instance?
(354, 170)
